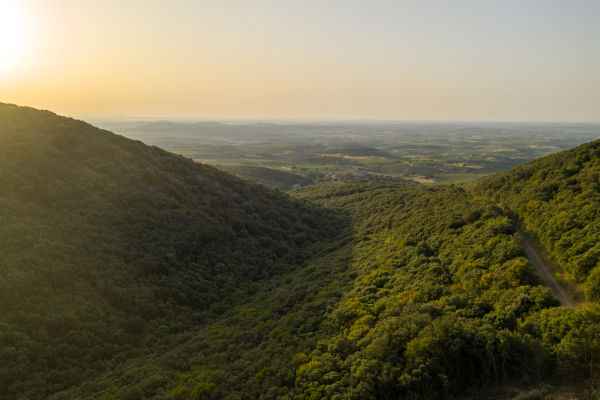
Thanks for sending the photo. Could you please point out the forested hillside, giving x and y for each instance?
(427, 296)
(130, 273)
(109, 245)
(443, 302)
(558, 198)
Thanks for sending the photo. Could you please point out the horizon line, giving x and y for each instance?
(274, 120)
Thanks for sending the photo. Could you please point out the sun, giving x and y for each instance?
(13, 37)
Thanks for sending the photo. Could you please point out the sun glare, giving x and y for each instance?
(13, 37)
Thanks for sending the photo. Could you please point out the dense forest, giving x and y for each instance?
(430, 297)
(128, 272)
(558, 198)
(108, 244)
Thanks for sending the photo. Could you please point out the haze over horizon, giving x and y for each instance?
(351, 60)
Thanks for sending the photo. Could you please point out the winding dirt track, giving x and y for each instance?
(545, 275)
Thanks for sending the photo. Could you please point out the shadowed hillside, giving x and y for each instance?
(108, 244)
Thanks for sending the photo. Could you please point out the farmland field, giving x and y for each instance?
(427, 152)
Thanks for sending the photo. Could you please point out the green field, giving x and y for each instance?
(422, 152)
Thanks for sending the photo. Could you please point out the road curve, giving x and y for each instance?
(545, 275)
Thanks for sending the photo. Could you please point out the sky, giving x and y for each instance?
(524, 60)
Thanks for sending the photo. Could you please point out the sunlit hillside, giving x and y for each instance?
(558, 198)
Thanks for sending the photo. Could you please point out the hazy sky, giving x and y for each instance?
(418, 60)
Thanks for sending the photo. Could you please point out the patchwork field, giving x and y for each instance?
(423, 152)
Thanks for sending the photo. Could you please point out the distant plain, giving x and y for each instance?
(425, 152)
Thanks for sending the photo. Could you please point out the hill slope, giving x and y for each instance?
(558, 198)
(130, 273)
(108, 245)
(428, 296)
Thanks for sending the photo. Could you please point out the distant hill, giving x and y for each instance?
(358, 151)
(274, 178)
(558, 198)
(107, 242)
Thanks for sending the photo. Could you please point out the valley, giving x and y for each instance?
(299, 200)
(129, 272)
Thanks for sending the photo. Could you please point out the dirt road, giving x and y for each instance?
(545, 275)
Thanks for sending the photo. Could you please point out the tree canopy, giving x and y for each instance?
(558, 198)
(128, 272)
